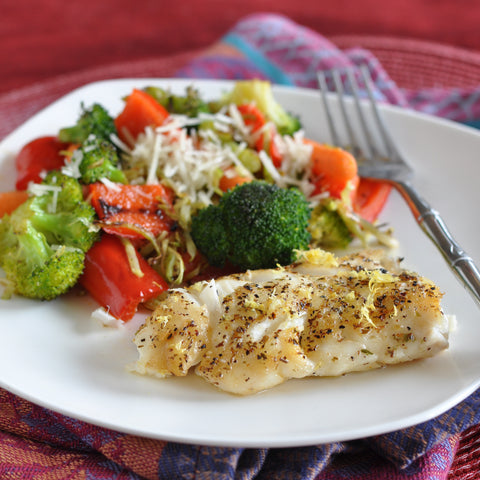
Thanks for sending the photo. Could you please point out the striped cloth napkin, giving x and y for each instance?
(38, 443)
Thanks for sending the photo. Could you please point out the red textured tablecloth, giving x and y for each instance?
(414, 66)
(44, 39)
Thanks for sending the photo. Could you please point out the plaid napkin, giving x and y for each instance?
(39, 443)
(273, 47)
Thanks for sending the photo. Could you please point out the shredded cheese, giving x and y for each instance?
(191, 161)
(39, 189)
(72, 167)
(187, 162)
(103, 316)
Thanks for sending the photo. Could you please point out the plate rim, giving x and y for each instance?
(414, 419)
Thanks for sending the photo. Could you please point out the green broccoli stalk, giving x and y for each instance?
(43, 242)
(255, 225)
(189, 104)
(99, 159)
(328, 227)
(334, 225)
(260, 93)
(93, 121)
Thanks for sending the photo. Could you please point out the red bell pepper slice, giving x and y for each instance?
(255, 119)
(110, 280)
(370, 198)
(127, 210)
(37, 156)
(252, 116)
(141, 110)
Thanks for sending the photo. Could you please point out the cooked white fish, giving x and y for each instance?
(322, 316)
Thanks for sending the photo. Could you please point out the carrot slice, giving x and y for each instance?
(141, 110)
(230, 180)
(332, 169)
(9, 201)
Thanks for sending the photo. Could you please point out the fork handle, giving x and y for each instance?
(433, 225)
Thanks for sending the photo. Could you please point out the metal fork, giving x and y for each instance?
(393, 168)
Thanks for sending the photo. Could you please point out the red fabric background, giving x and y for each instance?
(42, 39)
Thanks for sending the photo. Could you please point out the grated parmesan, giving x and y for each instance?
(72, 167)
(39, 189)
(190, 162)
(106, 319)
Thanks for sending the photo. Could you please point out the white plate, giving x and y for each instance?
(55, 355)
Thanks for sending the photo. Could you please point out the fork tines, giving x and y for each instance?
(374, 160)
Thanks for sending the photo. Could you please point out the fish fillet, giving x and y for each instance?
(322, 316)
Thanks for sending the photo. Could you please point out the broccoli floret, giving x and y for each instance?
(38, 271)
(93, 121)
(210, 235)
(44, 241)
(255, 225)
(61, 214)
(260, 93)
(100, 160)
(327, 226)
(334, 225)
(68, 191)
(99, 156)
(189, 104)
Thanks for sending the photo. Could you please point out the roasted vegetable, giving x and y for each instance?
(255, 225)
(99, 160)
(190, 104)
(327, 226)
(43, 241)
(93, 121)
(260, 93)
